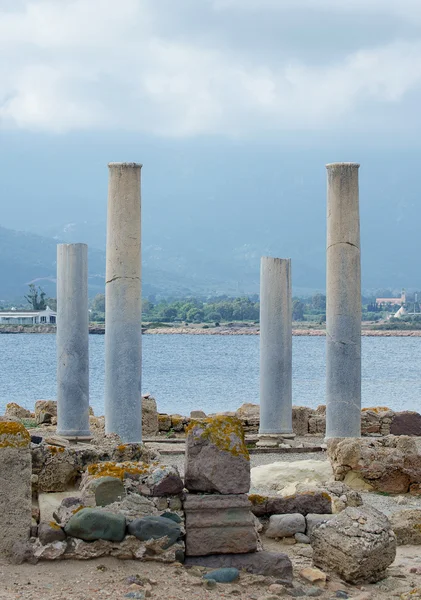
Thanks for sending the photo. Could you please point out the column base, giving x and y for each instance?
(273, 440)
(74, 436)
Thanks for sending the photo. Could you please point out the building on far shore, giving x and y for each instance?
(28, 317)
(392, 301)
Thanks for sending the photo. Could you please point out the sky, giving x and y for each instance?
(210, 67)
(233, 107)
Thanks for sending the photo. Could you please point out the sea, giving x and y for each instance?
(213, 373)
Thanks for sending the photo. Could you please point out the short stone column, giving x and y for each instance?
(72, 341)
(123, 305)
(343, 303)
(275, 350)
(15, 486)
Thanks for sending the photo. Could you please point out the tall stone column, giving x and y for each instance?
(72, 341)
(343, 306)
(123, 305)
(275, 348)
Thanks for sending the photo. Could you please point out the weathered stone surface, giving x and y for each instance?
(301, 538)
(217, 459)
(313, 575)
(370, 422)
(317, 425)
(134, 506)
(164, 422)
(286, 525)
(249, 415)
(66, 509)
(219, 524)
(50, 532)
(259, 563)
(303, 503)
(300, 417)
(358, 545)
(44, 408)
(150, 424)
(406, 423)
(15, 486)
(52, 551)
(388, 464)
(164, 481)
(92, 524)
(16, 411)
(285, 475)
(155, 528)
(108, 490)
(197, 414)
(314, 520)
(406, 525)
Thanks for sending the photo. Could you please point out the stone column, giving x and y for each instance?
(15, 486)
(343, 306)
(123, 305)
(72, 341)
(275, 349)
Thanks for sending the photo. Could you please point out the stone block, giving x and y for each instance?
(164, 481)
(15, 486)
(269, 564)
(390, 464)
(406, 525)
(406, 423)
(16, 411)
(217, 459)
(219, 524)
(177, 423)
(150, 425)
(50, 532)
(300, 417)
(197, 414)
(317, 425)
(44, 407)
(249, 415)
(308, 502)
(370, 422)
(107, 490)
(281, 526)
(358, 545)
(164, 422)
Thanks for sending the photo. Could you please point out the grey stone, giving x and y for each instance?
(302, 538)
(164, 481)
(197, 414)
(303, 503)
(259, 563)
(150, 424)
(107, 490)
(313, 521)
(217, 459)
(154, 528)
(313, 592)
(275, 346)
(343, 309)
(219, 524)
(72, 341)
(173, 516)
(123, 304)
(223, 575)
(358, 545)
(66, 509)
(93, 524)
(210, 584)
(49, 533)
(15, 486)
(406, 423)
(286, 525)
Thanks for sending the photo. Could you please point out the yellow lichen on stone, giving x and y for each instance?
(226, 433)
(55, 449)
(376, 409)
(54, 525)
(114, 469)
(13, 435)
(256, 499)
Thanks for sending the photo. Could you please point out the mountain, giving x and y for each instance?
(210, 207)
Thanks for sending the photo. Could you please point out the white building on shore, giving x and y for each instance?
(28, 317)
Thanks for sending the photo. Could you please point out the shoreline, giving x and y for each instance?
(100, 330)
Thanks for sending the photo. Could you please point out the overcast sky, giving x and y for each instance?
(182, 68)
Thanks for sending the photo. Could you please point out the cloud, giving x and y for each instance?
(168, 70)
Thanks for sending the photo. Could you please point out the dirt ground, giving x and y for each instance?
(111, 578)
